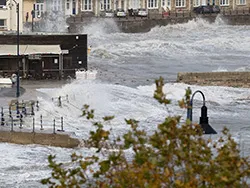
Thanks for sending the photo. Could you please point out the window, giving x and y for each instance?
(67, 5)
(241, 2)
(224, 2)
(163, 3)
(105, 5)
(56, 5)
(196, 3)
(166, 3)
(39, 10)
(2, 24)
(180, 3)
(3, 2)
(87, 5)
(152, 3)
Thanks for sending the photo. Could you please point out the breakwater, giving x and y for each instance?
(49, 139)
(231, 79)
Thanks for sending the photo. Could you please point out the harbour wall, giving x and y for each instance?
(144, 24)
(231, 79)
(57, 140)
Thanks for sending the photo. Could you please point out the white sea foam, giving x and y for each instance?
(164, 51)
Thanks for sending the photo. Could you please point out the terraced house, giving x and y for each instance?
(95, 7)
(35, 10)
(9, 14)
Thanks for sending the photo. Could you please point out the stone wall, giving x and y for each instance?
(144, 24)
(58, 140)
(232, 79)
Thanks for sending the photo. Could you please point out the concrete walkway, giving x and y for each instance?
(27, 90)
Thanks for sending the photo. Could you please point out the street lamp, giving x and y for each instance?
(18, 55)
(207, 129)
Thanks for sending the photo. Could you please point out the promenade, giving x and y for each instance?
(24, 134)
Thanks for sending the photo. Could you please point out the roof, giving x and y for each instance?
(29, 49)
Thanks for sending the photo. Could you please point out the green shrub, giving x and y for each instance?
(175, 155)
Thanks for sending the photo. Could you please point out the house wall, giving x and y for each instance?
(125, 4)
(10, 15)
(27, 8)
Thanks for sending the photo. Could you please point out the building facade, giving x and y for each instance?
(156, 6)
(35, 10)
(9, 14)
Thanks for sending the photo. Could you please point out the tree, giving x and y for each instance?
(175, 155)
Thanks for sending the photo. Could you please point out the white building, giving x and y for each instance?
(8, 15)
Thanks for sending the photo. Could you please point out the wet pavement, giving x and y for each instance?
(27, 90)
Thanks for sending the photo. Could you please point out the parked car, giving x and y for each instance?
(207, 9)
(108, 13)
(142, 12)
(120, 13)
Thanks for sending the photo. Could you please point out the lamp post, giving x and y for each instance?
(207, 129)
(18, 55)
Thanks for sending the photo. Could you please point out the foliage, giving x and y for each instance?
(175, 155)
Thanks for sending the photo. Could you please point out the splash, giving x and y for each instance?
(100, 27)
(220, 69)
(53, 22)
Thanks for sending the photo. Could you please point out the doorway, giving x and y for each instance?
(35, 69)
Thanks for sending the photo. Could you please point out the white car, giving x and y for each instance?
(142, 12)
(120, 13)
(108, 14)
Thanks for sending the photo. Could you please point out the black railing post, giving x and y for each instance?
(21, 121)
(67, 98)
(41, 122)
(32, 110)
(54, 126)
(59, 101)
(33, 125)
(12, 125)
(37, 105)
(62, 124)
(2, 117)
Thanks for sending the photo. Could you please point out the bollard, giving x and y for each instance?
(2, 117)
(33, 125)
(12, 125)
(52, 99)
(54, 127)
(21, 121)
(41, 122)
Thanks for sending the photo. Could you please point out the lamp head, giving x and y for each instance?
(207, 129)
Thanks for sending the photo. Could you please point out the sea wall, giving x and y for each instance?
(144, 24)
(57, 140)
(232, 79)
